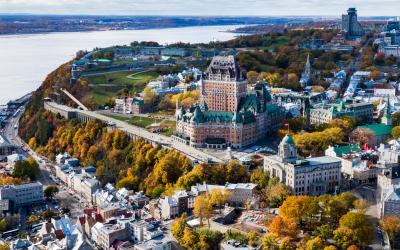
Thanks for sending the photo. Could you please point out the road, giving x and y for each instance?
(64, 198)
(368, 193)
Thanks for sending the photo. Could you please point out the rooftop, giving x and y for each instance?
(378, 129)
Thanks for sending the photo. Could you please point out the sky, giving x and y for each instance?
(203, 7)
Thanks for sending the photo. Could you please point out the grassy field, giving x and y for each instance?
(122, 78)
(107, 85)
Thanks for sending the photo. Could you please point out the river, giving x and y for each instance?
(27, 59)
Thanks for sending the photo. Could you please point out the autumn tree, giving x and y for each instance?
(252, 77)
(149, 97)
(299, 208)
(315, 244)
(252, 238)
(362, 136)
(396, 132)
(33, 219)
(269, 242)
(283, 227)
(178, 228)
(189, 239)
(202, 208)
(218, 197)
(26, 169)
(361, 205)
(391, 225)
(354, 228)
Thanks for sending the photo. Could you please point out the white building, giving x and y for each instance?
(390, 203)
(23, 194)
(310, 176)
(169, 207)
(12, 159)
(353, 166)
(239, 194)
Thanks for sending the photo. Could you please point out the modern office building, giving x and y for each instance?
(350, 24)
(310, 176)
(22, 194)
(230, 115)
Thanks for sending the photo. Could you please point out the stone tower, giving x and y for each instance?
(287, 149)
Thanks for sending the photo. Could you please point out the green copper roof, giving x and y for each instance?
(378, 129)
(288, 139)
(347, 149)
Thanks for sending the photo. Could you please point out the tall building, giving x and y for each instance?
(224, 85)
(310, 176)
(350, 24)
(229, 114)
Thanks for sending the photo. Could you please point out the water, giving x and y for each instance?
(27, 59)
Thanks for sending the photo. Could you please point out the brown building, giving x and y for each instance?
(230, 115)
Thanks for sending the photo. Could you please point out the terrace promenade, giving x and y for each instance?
(132, 131)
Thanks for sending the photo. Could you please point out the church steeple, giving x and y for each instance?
(306, 75)
(387, 115)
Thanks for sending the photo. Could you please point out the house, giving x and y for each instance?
(61, 158)
(12, 159)
(355, 167)
(169, 207)
(6, 148)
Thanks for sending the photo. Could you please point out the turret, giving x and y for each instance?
(287, 149)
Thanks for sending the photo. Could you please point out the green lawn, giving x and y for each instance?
(120, 78)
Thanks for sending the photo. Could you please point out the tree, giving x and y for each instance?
(396, 132)
(324, 232)
(189, 239)
(281, 227)
(178, 227)
(202, 208)
(362, 136)
(375, 74)
(331, 247)
(299, 208)
(361, 205)
(4, 246)
(252, 77)
(203, 242)
(353, 247)
(33, 219)
(269, 242)
(354, 228)
(3, 225)
(391, 225)
(252, 238)
(276, 193)
(26, 169)
(50, 192)
(259, 177)
(218, 197)
(149, 97)
(315, 244)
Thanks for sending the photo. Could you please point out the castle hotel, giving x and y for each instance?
(229, 114)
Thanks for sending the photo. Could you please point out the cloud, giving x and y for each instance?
(201, 7)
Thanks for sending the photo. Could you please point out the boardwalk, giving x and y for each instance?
(133, 131)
